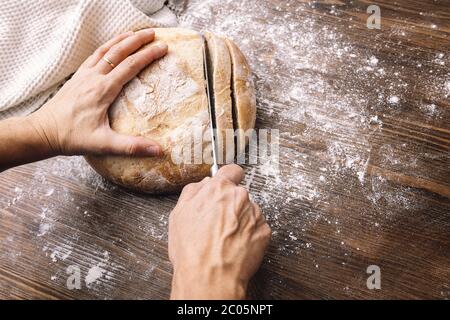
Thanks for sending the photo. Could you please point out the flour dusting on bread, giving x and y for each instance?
(161, 87)
(167, 103)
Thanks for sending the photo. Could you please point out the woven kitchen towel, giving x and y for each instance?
(42, 42)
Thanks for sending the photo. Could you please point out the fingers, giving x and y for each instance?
(92, 60)
(253, 219)
(262, 228)
(231, 172)
(121, 50)
(231, 175)
(119, 144)
(192, 189)
(132, 65)
(260, 219)
(241, 201)
(226, 179)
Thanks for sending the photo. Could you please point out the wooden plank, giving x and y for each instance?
(363, 179)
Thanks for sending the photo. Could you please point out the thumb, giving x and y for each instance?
(231, 172)
(120, 144)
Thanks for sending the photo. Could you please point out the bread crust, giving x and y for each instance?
(167, 101)
(244, 99)
(164, 102)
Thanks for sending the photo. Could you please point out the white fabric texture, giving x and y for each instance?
(42, 42)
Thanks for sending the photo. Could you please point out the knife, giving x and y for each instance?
(212, 117)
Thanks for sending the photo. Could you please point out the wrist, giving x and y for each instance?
(22, 141)
(199, 285)
(46, 135)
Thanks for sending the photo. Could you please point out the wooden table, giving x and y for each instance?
(364, 170)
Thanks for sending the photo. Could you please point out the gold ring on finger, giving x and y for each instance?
(109, 62)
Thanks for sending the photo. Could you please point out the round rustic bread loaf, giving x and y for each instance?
(167, 101)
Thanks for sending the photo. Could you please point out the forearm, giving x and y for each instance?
(23, 140)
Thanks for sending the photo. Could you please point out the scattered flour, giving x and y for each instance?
(296, 83)
(394, 100)
(61, 253)
(94, 274)
(43, 229)
(373, 61)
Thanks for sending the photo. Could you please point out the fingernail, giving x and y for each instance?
(154, 151)
(161, 45)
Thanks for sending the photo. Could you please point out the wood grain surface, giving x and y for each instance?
(363, 179)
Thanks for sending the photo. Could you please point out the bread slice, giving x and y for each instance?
(165, 102)
(244, 99)
(220, 69)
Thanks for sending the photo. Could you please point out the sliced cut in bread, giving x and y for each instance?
(244, 99)
(167, 102)
(220, 69)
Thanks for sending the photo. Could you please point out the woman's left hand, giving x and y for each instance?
(76, 120)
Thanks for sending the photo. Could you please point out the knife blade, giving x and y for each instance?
(210, 98)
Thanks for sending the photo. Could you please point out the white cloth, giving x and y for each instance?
(42, 42)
